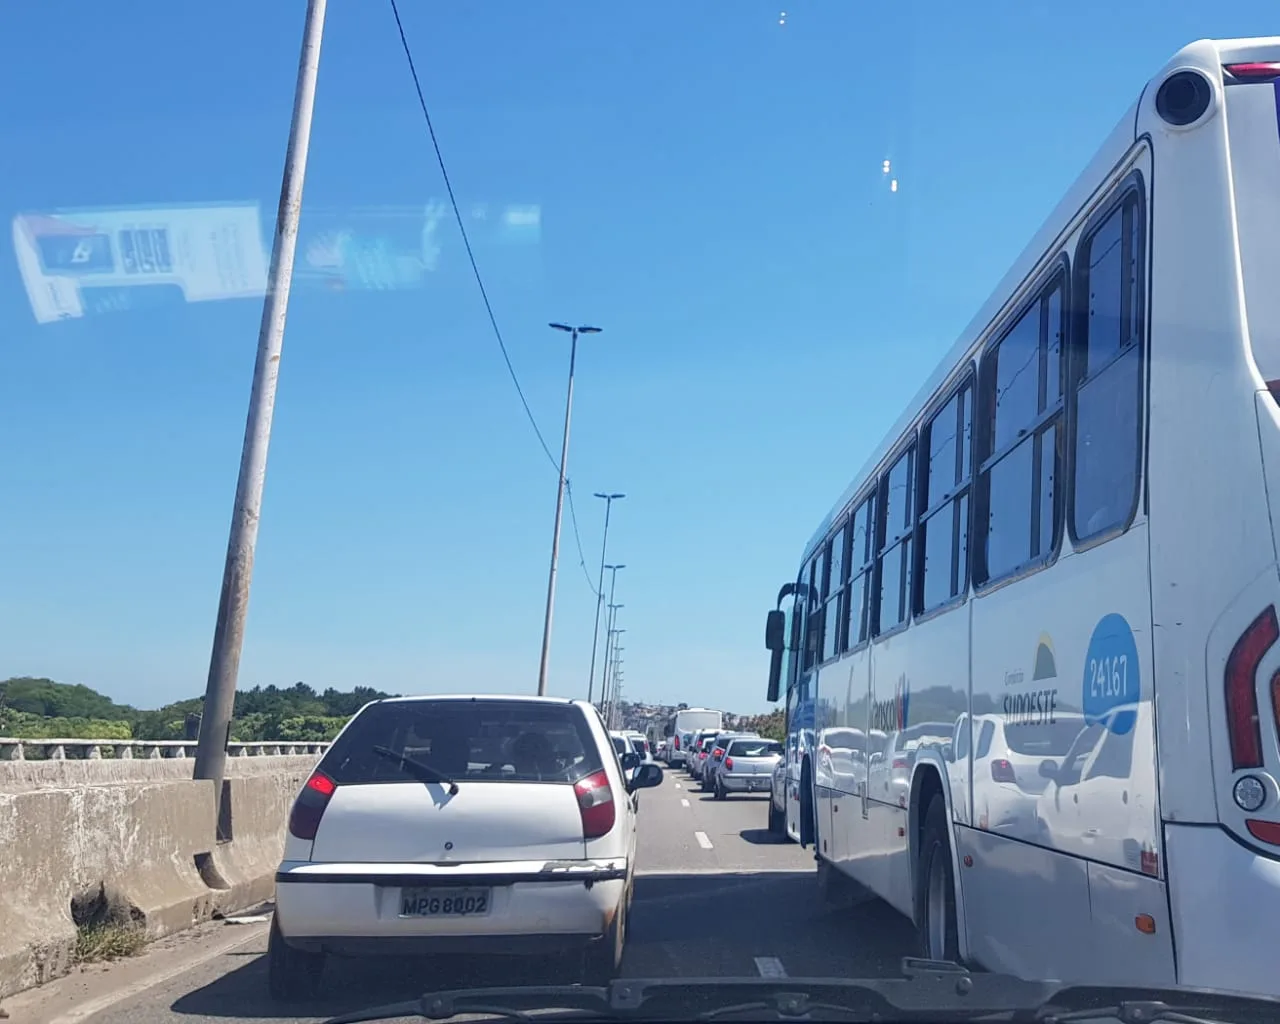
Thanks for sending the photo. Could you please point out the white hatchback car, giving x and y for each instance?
(493, 825)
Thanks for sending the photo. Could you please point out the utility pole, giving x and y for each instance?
(555, 535)
(237, 575)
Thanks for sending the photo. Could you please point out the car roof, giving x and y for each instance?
(525, 697)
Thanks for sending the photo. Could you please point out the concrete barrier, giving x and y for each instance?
(138, 829)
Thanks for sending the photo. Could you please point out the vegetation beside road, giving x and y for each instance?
(32, 708)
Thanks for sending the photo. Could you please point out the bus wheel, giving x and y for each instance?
(938, 931)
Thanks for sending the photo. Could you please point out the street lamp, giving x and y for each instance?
(608, 625)
(555, 536)
(609, 499)
(610, 655)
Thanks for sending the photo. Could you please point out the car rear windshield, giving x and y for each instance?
(753, 748)
(464, 740)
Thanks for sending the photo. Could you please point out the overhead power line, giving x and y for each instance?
(484, 292)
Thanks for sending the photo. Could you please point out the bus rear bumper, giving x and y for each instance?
(1224, 902)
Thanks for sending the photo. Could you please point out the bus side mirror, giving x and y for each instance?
(774, 636)
(774, 628)
(775, 677)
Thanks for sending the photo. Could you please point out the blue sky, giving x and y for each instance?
(709, 189)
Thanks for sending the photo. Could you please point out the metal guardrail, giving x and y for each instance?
(14, 749)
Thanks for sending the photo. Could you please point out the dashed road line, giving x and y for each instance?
(770, 967)
(684, 802)
(703, 840)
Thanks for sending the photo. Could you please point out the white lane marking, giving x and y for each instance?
(703, 841)
(770, 967)
(678, 786)
(684, 802)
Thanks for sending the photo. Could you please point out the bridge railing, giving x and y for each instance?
(15, 749)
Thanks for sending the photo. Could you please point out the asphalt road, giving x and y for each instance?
(717, 895)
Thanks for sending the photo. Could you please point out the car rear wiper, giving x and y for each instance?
(421, 768)
(929, 990)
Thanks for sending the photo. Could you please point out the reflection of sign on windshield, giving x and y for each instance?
(75, 262)
(392, 248)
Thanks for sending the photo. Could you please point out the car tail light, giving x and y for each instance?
(1243, 730)
(308, 809)
(728, 764)
(1256, 71)
(1002, 771)
(595, 804)
(718, 753)
(677, 741)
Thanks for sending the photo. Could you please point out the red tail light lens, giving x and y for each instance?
(1002, 771)
(595, 804)
(728, 764)
(677, 741)
(719, 753)
(899, 764)
(308, 809)
(1241, 689)
(1256, 71)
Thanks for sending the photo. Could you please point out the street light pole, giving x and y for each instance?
(612, 654)
(609, 499)
(613, 586)
(555, 536)
(608, 652)
(237, 573)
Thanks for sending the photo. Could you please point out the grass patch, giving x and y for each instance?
(96, 943)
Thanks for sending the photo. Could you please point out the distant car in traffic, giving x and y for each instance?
(495, 825)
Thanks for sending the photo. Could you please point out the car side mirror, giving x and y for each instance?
(630, 761)
(647, 777)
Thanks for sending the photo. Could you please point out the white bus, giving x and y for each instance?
(682, 724)
(1046, 609)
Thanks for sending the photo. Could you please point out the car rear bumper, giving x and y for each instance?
(350, 908)
(746, 783)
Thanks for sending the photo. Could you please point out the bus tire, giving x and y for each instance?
(936, 926)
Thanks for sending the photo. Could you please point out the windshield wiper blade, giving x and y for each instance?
(421, 768)
(927, 990)
(511, 1003)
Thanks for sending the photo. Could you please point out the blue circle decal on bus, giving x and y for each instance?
(1112, 684)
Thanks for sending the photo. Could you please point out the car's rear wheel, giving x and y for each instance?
(603, 959)
(291, 973)
(777, 819)
(721, 792)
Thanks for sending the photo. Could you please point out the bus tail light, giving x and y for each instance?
(1243, 729)
(1255, 71)
(1002, 771)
